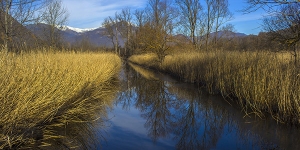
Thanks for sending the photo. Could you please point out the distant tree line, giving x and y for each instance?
(16, 14)
(155, 28)
(162, 26)
(202, 25)
(282, 23)
(13, 15)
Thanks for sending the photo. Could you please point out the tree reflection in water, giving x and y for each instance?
(194, 119)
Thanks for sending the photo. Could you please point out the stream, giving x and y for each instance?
(154, 111)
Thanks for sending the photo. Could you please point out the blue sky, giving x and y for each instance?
(245, 23)
(90, 13)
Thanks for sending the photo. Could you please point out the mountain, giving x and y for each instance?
(98, 36)
(227, 34)
(19, 37)
(77, 30)
(94, 36)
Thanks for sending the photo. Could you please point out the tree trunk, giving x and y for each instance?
(6, 26)
(117, 41)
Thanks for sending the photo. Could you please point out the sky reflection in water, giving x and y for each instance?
(155, 112)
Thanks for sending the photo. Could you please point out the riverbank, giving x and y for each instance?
(38, 90)
(261, 82)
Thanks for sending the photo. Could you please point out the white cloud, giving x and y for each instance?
(90, 13)
(247, 17)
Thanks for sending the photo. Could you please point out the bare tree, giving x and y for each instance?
(110, 24)
(161, 23)
(222, 16)
(217, 15)
(267, 5)
(125, 21)
(284, 26)
(210, 18)
(140, 17)
(14, 14)
(190, 16)
(56, 16)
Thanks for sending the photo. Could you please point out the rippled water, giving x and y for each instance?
(153, 111)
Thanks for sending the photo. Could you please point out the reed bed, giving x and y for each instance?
(39, 89)
(261, 82)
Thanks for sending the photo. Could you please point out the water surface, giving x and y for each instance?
(154, 111)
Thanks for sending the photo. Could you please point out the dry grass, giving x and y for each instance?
(148, 60)
(38, 89)
(144, 72)
(262, 82)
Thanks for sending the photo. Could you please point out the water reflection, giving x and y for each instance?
(194, 119)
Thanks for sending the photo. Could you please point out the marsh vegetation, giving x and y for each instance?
(40, 91)
(261, 82)
(155, 111)
(49, 86)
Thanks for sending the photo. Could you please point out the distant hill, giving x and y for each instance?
(96, 36)
(227, 34)
(20, 37)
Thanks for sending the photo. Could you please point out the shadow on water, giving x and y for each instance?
(187, 117)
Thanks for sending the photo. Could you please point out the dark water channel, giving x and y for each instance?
(153, 111)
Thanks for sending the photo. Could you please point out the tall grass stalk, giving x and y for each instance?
(37, 89)
(262, 82)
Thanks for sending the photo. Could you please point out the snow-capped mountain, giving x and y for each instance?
(95, 36)
(78, 30)
(98, 36)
